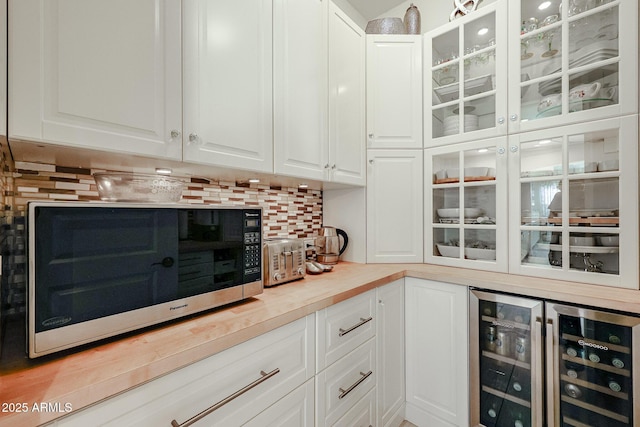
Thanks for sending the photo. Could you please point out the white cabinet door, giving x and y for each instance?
(437, 353)
(96, 74)
(228, 83)
(390, 354)
(300, 88)
(294, 410)
(346, 99)
(394, 91)
(394, 206)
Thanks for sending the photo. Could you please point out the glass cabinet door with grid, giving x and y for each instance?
(573, 64)
(465, 83)
(466, 205)
(574, 203)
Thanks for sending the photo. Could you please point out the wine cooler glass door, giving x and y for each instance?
(506, 361)
(594, 369)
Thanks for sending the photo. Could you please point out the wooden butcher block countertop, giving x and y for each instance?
(76, 379)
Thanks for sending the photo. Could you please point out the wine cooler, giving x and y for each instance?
(540, 363)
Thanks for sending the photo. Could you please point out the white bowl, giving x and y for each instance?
(582, 241)
(609, 240)
(609, 165)
(453, 173)
(441, 174)
(448, 251)
(591, 167)
(476, 171)
(448, 212)
(476, 253)
(455, 212)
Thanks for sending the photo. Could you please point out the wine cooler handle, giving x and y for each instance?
(538, 410)
(551, 369)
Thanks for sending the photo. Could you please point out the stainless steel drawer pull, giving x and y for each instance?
(264, 376)
(343, 393)
(362, 322)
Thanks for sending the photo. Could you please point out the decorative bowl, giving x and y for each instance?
(386, 26)
(134, 187)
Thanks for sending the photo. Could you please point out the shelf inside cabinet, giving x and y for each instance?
(586, 249)
(613, 347)
(600, 389)
(505, 359)
(466, 179)
(596, 409)
(600, 221)
(601, 366)
(493, 320)
(506, 396)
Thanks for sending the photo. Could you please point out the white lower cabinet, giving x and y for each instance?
(362, 414)
(294, 410)
(249, 377)
(437, 353)
(390, 356)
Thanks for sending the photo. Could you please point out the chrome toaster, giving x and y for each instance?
(283, 261)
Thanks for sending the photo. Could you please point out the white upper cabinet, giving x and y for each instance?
(569, 63)
(227, 85)
(394, 91)
(300, 88)
(346, 99)
(465, 71)
(97, 74)
(510, 67)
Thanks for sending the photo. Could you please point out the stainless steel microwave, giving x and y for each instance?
(100, 269)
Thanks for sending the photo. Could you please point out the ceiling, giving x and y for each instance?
(371, 9)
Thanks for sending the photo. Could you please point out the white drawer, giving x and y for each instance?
(275, 363)
(296, 409)
(343, 384)
(343, 327)
(362, 414)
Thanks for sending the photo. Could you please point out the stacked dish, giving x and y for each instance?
(452, 124)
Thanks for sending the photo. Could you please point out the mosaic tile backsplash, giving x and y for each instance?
(287, 212)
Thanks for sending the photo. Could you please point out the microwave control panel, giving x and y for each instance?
(252, 245)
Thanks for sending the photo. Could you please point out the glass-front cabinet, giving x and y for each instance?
(526, 65)
(573, 202)
(572, 64)
(466, 203)
(465, 77)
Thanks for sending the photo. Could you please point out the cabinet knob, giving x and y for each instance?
(193, 137)
(501, 120)
(501, 150)
(370, 136)
(333, 167)
(513, 117)
(326, 166)
(175, 134)
(371, 162)
(514, 148)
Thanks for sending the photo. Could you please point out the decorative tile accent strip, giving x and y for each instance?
(288, 212)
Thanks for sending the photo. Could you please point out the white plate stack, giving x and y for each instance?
(452, 124)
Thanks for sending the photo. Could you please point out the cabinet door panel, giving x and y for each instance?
(116, 87)
(394, 91)
(346, 98)
(437, 353)
(394, 206)
(300, 87)
(228, 83)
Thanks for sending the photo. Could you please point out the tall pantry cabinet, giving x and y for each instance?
(394, 154)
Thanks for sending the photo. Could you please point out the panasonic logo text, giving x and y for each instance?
(177, 307)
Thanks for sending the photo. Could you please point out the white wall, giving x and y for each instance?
(351, 13)
(433, 13)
